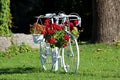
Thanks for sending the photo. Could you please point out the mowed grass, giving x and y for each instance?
(97, 62)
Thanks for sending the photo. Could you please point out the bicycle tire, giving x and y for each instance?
(70, 55)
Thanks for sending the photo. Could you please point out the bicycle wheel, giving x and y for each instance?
(70, 55)
(46, 56)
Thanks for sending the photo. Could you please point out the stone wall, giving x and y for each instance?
(5, 42)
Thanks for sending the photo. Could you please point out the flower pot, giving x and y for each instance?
(38, 38)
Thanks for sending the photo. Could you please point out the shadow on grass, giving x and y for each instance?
(19, 70)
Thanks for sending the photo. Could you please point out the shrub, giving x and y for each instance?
(5, 17)
(15, 49)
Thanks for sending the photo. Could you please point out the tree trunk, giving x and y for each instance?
(106, 21)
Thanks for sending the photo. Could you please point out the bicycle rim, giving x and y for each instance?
(71, 56)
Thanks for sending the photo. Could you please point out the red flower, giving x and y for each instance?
(43, 32)
(47, 25)
(71, 26)
(56, 27)
(65, 22)
(64, 44)
(62, 27)
(66, 37)
(50, 31)
(76, 22)
(52, 40)
(47, 21)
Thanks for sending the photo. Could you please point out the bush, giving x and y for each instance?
(5, 17)
(17, 49)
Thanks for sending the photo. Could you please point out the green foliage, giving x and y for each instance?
(16, 49)
(117, 43)
(76, 32)
(5, 17)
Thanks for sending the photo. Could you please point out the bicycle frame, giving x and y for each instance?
(60, 19)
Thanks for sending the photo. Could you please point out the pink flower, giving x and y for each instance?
(52, 40)
(66, 37)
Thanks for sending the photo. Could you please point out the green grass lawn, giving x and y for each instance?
(97, 62)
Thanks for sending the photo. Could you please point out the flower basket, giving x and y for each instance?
(51, 33)
(38, 38)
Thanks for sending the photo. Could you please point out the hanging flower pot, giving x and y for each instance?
(38, 38)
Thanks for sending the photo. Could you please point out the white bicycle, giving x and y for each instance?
(53, 58)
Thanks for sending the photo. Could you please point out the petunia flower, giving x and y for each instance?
(66, 37)
(76, 22)
(52, 40)
(43, 32)
(50, 31)
(71, 26)
(64, 45)
(47, 21)
(58, 27)
(47, 25)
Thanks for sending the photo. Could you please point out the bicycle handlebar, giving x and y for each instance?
(48, 15)
(60, 15)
